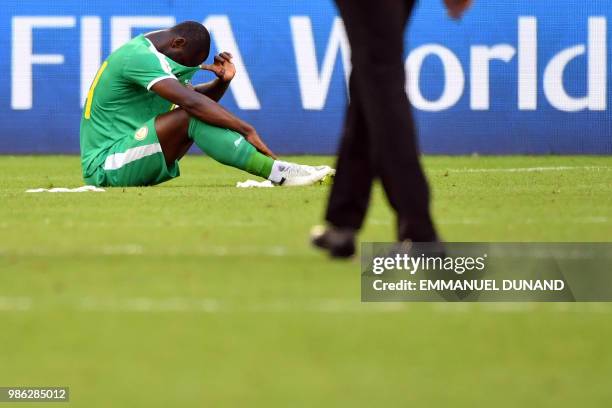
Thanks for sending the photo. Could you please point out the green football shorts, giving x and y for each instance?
(135, 160)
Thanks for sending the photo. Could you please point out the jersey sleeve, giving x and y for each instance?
(147, 68)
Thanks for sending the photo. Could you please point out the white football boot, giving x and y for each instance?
(293, 174)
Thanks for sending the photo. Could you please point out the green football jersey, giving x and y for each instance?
(120, 99)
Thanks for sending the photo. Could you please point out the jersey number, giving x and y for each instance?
(92, 89)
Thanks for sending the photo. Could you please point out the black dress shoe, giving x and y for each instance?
(340, 242)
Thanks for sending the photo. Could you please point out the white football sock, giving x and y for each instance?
(277, 168)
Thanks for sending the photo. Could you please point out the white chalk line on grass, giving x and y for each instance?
(525, 169)
(577, 220)
(188, 305)
(474, 221)
(134, 249)
(198, 305)
(332, 306)
(238, 251)
(15, 304)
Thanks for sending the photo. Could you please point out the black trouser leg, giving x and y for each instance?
(375, 31)
(350, 193)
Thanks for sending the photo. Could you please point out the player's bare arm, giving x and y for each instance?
(225, 71)
(456, 8)
(207, 110)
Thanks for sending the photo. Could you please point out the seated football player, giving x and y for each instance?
(142, 115)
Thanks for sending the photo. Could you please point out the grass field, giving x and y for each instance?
(198, 294)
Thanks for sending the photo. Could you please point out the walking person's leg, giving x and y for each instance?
(380, 74)
(380, 138)
(350, 193)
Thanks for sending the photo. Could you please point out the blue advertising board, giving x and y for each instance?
(520, 77)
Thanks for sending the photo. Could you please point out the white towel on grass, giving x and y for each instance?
(253, 183)
(81, 189)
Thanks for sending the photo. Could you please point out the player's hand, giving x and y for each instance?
(222, 67)
(253, 138)
(456, 8)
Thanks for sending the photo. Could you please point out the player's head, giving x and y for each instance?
(190, 43)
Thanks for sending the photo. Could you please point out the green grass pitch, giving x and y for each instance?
(198, 294)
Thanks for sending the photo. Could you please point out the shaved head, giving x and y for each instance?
(187, 43)
(194, 33)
